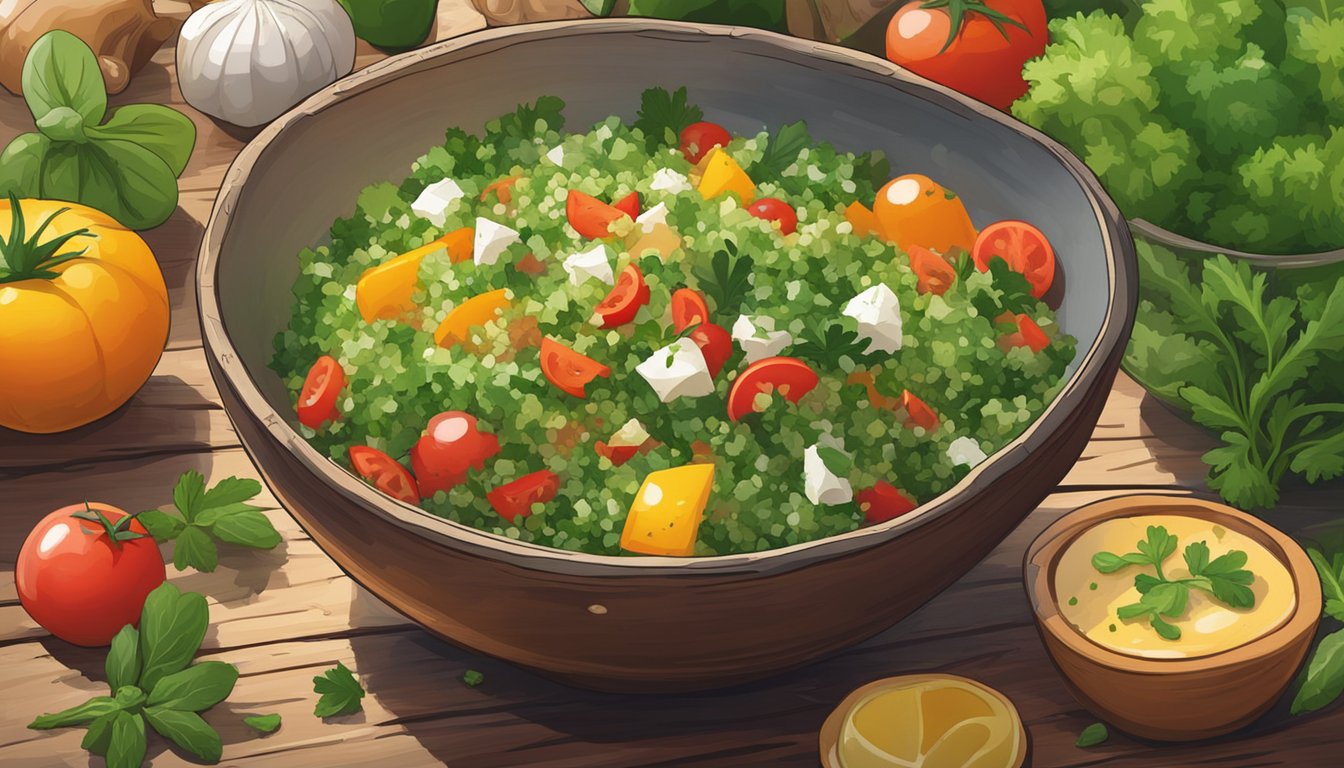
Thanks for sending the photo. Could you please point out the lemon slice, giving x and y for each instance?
(924, 721)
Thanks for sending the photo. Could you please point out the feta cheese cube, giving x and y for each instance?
(631, 435)
(758, 338)
(434, 202)
(557, 155)
(592, 263)
(668, 180)
(677, 370)
(879, 314)
(820, 484)
(965, 451)
(651, 218)
(491, 240)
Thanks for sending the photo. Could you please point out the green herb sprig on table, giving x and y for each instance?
(1161, 598)
(1092, 735)
(340, 692)
(126, 167)
(152, 680)
(1322, 680)
(204, 516)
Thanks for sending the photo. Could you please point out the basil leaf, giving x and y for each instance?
(263, 723)
(62, 124)
(172, 625)
(80, 715)
(196, 688)
(161, 525)
(127, 747)
(21, 165)
(169, 134)
(129, 183)
(247, 528)
(208, 517)
(188, 494)
(123, 660)
(1092, 735)
(99, 736)
(230, 490)
(61, 71)
(1324, 676)
(195, 550)
(599, 7)
(188, 731)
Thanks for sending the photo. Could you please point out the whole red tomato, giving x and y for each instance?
(83, 573)
(976, 47)
(451, 445)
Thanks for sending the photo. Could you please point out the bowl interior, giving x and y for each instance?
(370, 128)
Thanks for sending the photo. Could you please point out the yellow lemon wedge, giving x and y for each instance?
(924, 721)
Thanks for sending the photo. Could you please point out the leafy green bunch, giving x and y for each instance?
(1322, 679)
(1161, 598)
(1239, 354)
(206, 516)
(126, 167)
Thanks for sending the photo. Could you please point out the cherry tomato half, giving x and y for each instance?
(317, 399)
(697, 139)
(1025, 249)
(884, 502)
(688, 308)
(629, 205)
(515, 499)
(589, 216)
(715, 343)
(1028, 333)
(501, 188)
(776, 211)
(789, 376)
(385, 473)
(934, 273)
(626, 297)
(567, 369)
(452, 444)
(616, 454)
(917, 412)
(82, 583)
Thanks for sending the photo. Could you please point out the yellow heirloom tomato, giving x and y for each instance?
(83, 314)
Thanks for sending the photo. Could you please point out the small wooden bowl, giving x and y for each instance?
(1173, 699)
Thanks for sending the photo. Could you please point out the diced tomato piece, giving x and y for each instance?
(616, 454)
(917, 412)
(626, 297)
(501, 188)
(789, 376)
(1025, 249)
(567, 369)
(515, 499)
(531, 265)
(934, 273)
(1028, 334)
(776, 211)
(629, 205)
(688, 308)
(589, 216)
(321, 389)
(452, 444)
(697, 139)
(715, 343)
(385, 473)
(884, 502)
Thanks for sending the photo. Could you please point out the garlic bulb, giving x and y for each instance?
(248, 61)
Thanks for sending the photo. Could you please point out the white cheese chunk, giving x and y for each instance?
(965, 451)
(631, 435)
(491, 240)
(677, 370)
(434, 202)
(650, 219)
(758, 338)
(879, 314)
(820, 485)
(668, 180)
(590, 264)
(557, 155)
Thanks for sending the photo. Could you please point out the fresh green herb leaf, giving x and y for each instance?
(172, 625)
(263, 723)
(83, 714)
(187, 730)
(1092, 735)
(219, 513)
(473, 678)
(826, 343)
(781, 151)
(599, 8)
(126, 749)
(765, 14)
(162, 526)
(99, 735)
(246, 528)
(836, 462)
(188, 493)
(230, 490)
(1331, 571)
(1324, 676)
(123, 659)
(1165, 630)
(60, 71)
(153, 127)
(196, 688)
(663, 116)
(195, 550)
(340, 692)
(727, 279)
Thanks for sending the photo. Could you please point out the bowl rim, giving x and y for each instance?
(1118, 252)
(1043, 555)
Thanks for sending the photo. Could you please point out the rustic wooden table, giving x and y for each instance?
(285, 615)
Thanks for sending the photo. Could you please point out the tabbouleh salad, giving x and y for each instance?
(659, 338)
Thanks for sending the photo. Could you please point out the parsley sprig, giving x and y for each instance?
(206, 516)
(826, 342)
(1162, 598)
(663, 116)
(727, 279)
(1322, 679)
(340, 692)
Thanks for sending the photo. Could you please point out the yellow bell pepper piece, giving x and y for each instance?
(665, 517)
(384, 292)
(472, 313)
(723, 174)
(914, 210)
(861, 219)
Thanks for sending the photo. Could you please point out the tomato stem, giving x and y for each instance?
(25, 258)
(960, 11)
(116, 532)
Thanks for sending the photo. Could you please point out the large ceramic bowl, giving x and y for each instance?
(647, 623)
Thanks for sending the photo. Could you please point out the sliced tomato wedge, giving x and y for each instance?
(1025, 249)
(616, 454)
(884, 502)
(697, 139)
(515, 499)
(688, 308)
(567, 369)
(321, 389)
(917, 412)
(775, 211)
(789, 376)
(629, 205)
(626, 297)
(934, 273)
(589, 216)
(715, 343)
(385, 473)
(1028, 333)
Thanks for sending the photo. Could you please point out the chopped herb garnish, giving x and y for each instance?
(341, 692)
(1093, 735)
(473, 678)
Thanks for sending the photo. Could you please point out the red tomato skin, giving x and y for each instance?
(374, 465)
(697, 139)
(79, 585)
(626, 297)
(777, 211)
(321, 389)
(772, 371)
(568, 370)
(515, 499)
(616, 454)
(688, 308)
(448, 449)
(884, 502)
(981, 62)
(629, 205)
(918, 413)
(715, 343)
(589, 216)
(1041, 275)
(1028, 333)
(936, 276)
